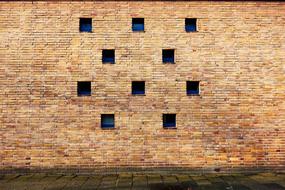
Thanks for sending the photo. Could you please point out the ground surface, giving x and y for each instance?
(260, 181)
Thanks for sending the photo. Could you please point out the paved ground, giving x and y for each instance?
(260, 181)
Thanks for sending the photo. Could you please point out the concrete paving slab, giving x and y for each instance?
(108, 182)
(233, 184)
(139, 182)
(269, 178)
(155, 181)
(187, 182)
(171, 182)
(124, 182)
(201, 180)
(92, 183)
(252, 184)
(60, 183)
(76, 183)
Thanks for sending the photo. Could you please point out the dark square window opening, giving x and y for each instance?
(169, 120)
(138, 24)
(108, 56)
(191, 24)
(168, 56)
(138, 87)
(193, 87)
(85, 24)
(107, 121)
(84, 88)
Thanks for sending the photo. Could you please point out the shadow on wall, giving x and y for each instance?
(162, 170)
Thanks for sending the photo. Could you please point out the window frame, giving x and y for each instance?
(189, 26)
(133, 24)
(81, 92)
(193, 92)
(164, 57)
(169, 125)
(104, 56)
(138, 92)
(106, 126)
(81, 23)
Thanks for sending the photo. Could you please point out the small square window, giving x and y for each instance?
(138, 87)
(84, 88)
(192, 87)
(168, 56)
(85, 24)
(107, 121)
(138, 24)
(190, 24)
(169, 120)
(108, 56)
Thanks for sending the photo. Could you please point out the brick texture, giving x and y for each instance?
(237, 122)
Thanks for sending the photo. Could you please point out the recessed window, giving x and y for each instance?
(190, 24)
(107, 121)
(85, 24)
(168, 56)
(169, 120)
(192, 87)
(84, 88)
(138, 24)
(138, 87)
(108, 56)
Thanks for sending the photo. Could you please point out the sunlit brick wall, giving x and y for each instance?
(237, 54)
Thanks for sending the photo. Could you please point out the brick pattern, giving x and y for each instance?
(237, 122)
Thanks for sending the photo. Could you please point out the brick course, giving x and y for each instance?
(237, 54)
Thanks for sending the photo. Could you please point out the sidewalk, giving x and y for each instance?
(259, 181)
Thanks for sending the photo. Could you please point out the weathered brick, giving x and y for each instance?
(237, 54)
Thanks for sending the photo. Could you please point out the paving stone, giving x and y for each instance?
(36, 181)
(20, 182)
(201, 180)
(171, 182)
(108, 182)
(124, 181)
(233, 184)
(60, 183)
(187, 182)
(154, 181)
(42, 182)
(218, 183)
(76, 183)
(252, 184)
(274, 186)
(269, 178)
(139, 182)
(9, 177)
(92, 183)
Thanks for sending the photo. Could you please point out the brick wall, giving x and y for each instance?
(236, 123)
